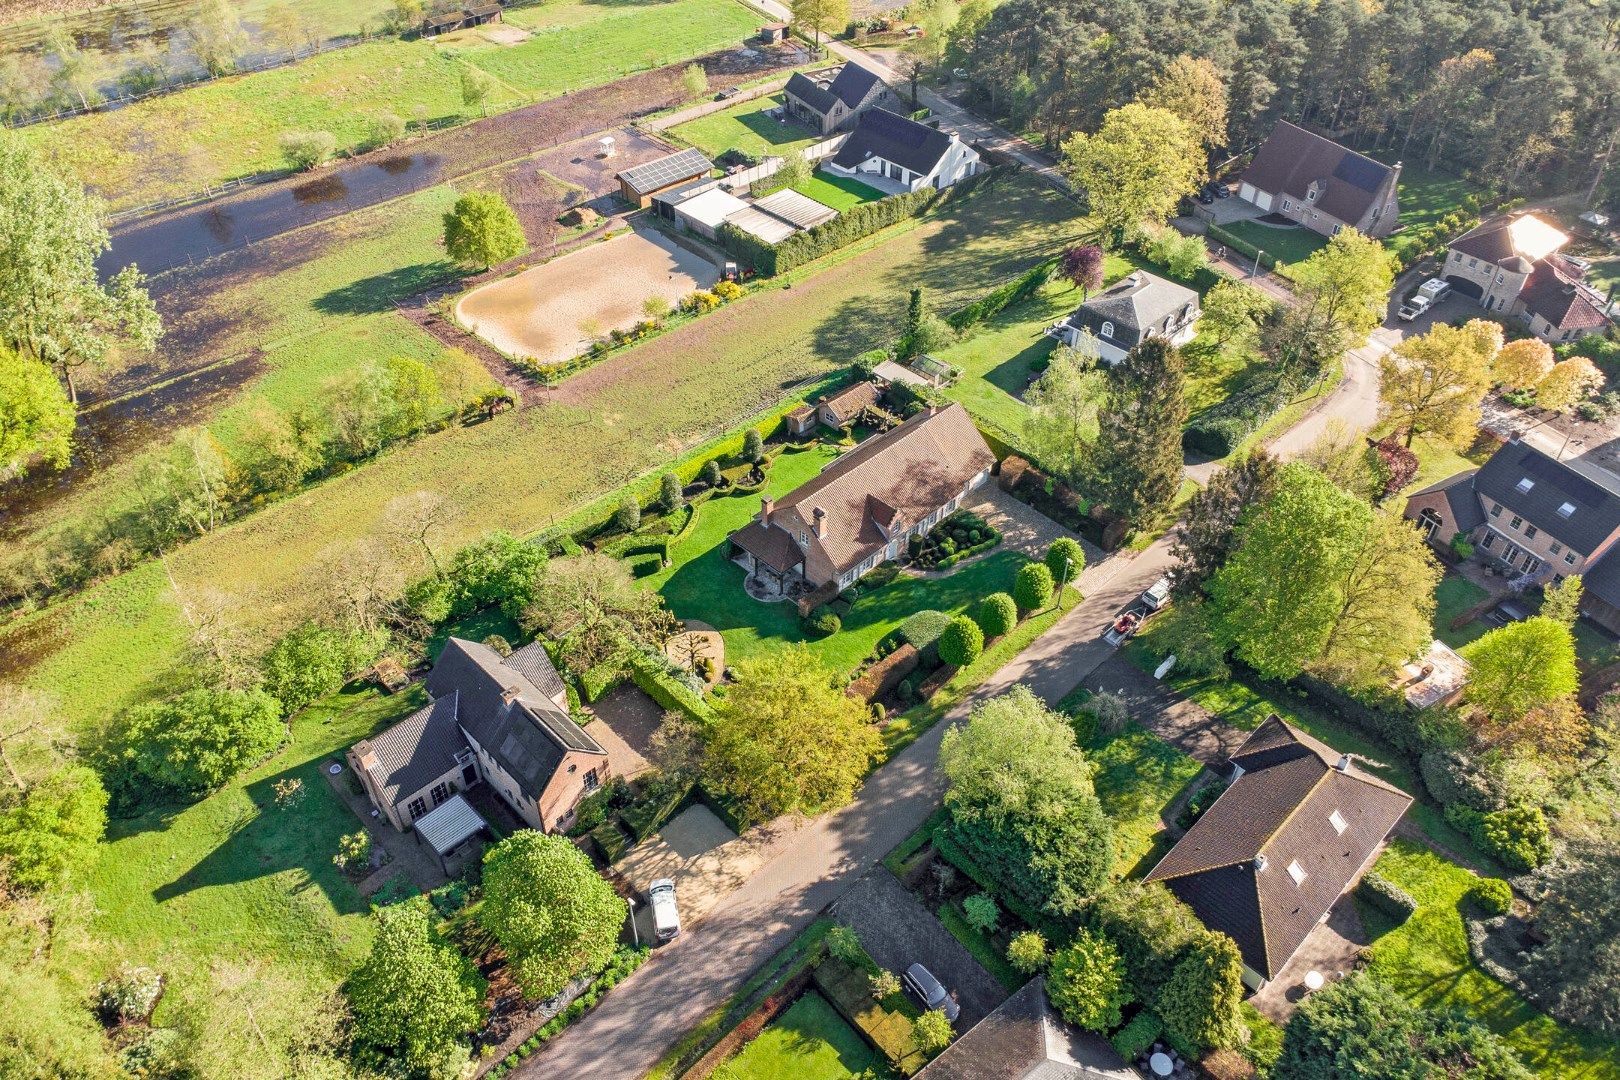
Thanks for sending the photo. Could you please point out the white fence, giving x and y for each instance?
(745, 178)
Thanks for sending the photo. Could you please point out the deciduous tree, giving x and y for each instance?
(820, 16)
(1522, 364)
(1136, 167)
(1568, 384)
(553, 914)
(1193, 89)
(416, 998)
(1135, 465)
(482, 230)
(1082, 265)
(1434, 383)
(51, 831)
(1384, 613)
(1519, 667)
(1207, 536)
(196, 741)
(1062, 416)
(36, 418)
(1233, 313)
(1022, 802)
(1087, 982)
(786, 739)
(591, 604)
(53, 305)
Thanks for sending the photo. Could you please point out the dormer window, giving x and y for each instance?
(1108, 329)
(1313, 191)
(1297, 872)
(1336, 819)
(1525, 485)
(1566, 510)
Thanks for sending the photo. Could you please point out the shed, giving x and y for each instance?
(443, 24)
(767, 227)
(479, 14)
(773, 33)
(705, 212)
(798, 210)
(448, 827)
(892, 372)
(641, 182)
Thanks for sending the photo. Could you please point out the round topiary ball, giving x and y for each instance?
(997, 615)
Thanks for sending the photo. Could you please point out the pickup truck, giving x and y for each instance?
(1430, 293)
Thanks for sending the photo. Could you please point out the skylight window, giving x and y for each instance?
(1566, 510)
(1336, 819)
(1526, 484)
(1297, 872)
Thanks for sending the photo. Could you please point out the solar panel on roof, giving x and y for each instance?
(1360, 172)
(667, 170)
(1565, 480)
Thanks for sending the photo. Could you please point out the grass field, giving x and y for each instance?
(1427, 961)
(703, 584)
(1139, 776)
(745, 127)
(528, 470)
(237, 877)
(809, 1041)
(1426, 196)
(182, 142)
(1288, 245)
(1455, 595)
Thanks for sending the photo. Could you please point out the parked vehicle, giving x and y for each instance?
(666, 920)
(1436, 289)
(1205, 197)
(1414, 307)
(929, 992)
(1157, 594)
(1124, 626)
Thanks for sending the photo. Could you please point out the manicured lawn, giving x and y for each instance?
(838, 192)
(178, 143)
(1455, 595)
(1289, 245)
(1427, 961)
(1138, 776)
(745, 127)
(1426, 196)
(237, 876)
(1245, 704)
(628, 417)
(704, 584)
(809, 1041)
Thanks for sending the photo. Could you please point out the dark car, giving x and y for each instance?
(1205, 197)
(929, 992)
(1222, 191)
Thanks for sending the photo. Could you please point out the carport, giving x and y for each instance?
(449, 829)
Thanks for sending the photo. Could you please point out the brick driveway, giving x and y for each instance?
(898, 931)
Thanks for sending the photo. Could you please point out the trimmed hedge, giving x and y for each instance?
(1388, 897)
(1492, 895)
(997, 300)
(600, 679)
(1221, 428)
(1131, 1041)
(885, 674)
(624, 962)
(665, 690)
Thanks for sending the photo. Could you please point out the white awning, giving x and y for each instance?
(448, 825)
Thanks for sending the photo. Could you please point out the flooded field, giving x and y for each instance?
(551, 313)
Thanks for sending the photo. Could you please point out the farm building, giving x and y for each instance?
(779, 215)
(638, 185)
(705, 212)
(451, 21)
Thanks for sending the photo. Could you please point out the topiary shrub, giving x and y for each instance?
(961, 642)
(710, 473)
(1027, 952)
(1132, 1040)
(1065, 559)
(627, 518)
(823, 621)
(997, 614)
(1491, 895)
(921, 631)
(1517, 837)
(1032, 587)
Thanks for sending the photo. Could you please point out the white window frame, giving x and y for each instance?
(1107, 329)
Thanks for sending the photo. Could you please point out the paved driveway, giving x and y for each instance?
(1023, 528)
(899, 931)
(626, 719)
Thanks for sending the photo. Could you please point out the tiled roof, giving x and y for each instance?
(1523, 236)
(1291, 159)
(1563, 303)
(1023, 1040)
(1466, 513)
(854, 84)
(811, 93)
(914, 469)
(882, 134)
(849, 402)
(533, 664)
(1292, 809)
(417, 750)
(1536, 487)
(771, 546)
(1137, 306)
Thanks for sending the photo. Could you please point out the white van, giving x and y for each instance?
(666, 920)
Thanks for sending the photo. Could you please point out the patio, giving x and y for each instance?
(1332, 950)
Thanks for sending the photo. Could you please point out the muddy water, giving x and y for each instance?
(195, 233)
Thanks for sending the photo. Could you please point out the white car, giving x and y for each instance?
(1414, 307)
(666, 920)
(1157, 594)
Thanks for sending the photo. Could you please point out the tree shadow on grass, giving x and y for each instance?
(1013, 374)
(383, 292)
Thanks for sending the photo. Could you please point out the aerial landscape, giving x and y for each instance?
(809, 540)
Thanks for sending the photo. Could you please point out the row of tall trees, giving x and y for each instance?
(1507, 91)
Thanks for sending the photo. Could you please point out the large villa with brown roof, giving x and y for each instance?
(1512, 265)
(500, 721)
(1323, 186)
(860, 510)
(1272, 855)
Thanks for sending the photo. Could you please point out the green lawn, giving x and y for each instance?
(1455, 595)
(1426, 196)
(998, 357)
(237, 876)
(179, 143)
(1139, 776)
(1288, 244)
(703, 584)
(809, 1041)
(745, 127)
(838, 192)
(1245, 704)
(1427, 960)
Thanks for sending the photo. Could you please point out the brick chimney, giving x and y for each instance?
(819, 518)
(766, 505)
(509, 694)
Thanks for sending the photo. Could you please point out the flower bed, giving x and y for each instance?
(960, 536)
(624, 962)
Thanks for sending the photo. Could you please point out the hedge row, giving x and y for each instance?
(998, 300)
(885, 674)
(968, 552)
(848, 987)
(1131, 1041)
(665, 690)
(1221, 428)
(1387, 897)
(619, 968)
(1241, 246)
